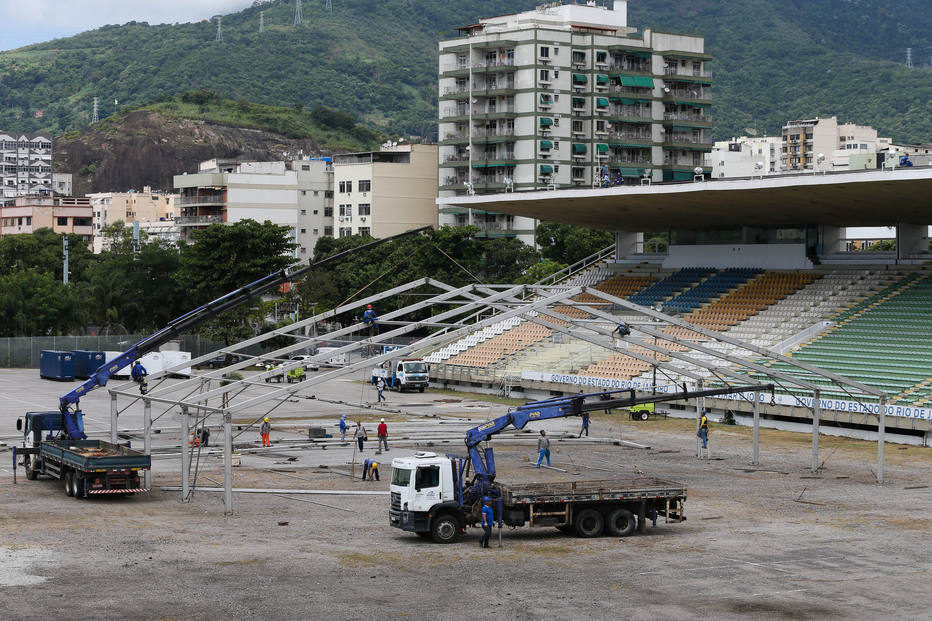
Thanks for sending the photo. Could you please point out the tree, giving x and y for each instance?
(34, 302)
(539, 271)
(565, 243)
(43, 250)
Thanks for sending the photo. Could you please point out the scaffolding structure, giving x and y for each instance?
(446, 314)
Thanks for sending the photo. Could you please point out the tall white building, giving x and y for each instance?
(805, 140)
(745, 157)
(545, 99)
(27, 165)
(315, 202)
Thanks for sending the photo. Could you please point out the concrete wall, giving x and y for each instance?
(768, 256)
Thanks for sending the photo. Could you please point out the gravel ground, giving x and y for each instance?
(771, 542)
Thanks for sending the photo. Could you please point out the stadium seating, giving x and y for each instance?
(671, 285)
(714, 286)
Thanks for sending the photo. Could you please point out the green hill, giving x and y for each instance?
(378, 61)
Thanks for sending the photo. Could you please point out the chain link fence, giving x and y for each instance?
(23, 352)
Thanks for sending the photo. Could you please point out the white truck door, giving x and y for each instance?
(427, 490)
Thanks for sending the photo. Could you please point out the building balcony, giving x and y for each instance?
(686, 95)
(644, 138)
(686, 142)
(198, 220)
(689, 72)
(452, 138)
(633, 114)
(452, 113)
(499, 64)
(192, 201)
(498, 113)
(689, 118)
(454, 92)
(494, 135)
(630, 68)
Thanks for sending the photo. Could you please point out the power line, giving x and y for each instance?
(297, 12)
(909, 58)
(261, 22)
(219, 38)
(96, 118)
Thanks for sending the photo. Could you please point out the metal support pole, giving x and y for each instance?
(185, 455)
(227, 463)
(881, 433)
(699, 407)
(816, 414)
(147, 438)
(114, 414)
(755, 459)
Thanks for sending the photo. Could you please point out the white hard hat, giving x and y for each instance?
(382, 421)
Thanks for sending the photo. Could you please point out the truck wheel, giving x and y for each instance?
(589, 523)
(69, 483)
(445, 529)
(77, 486)
(644, 416)
(620, 523)
(31, 473)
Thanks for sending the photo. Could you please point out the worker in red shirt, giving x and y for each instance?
(383, 434)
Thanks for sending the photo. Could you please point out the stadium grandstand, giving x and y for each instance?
(752, 265)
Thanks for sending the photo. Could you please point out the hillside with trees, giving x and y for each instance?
(377, 61)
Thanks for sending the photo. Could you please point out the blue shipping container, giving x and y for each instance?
(58, 365)
(86, 362)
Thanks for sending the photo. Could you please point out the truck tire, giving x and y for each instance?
(620, 523)
(31, 473)
(445, 528)
(69, 484)
(77, 485)
(643, 415)
(589, 523)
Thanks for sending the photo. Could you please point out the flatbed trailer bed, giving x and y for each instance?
(628, 489)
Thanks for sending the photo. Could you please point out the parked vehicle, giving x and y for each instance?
(403, 374)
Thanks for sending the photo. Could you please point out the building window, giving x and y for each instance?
(328, 193)
(544, 52)
(315, 212)
(303, 192)
(62, 221)
(346, 210)
(316, 192)
(345, 231)
(346, 187)
(364, 209)
(365, 185)
(303, 231)
(365, 230)
(544, 75)
(461, 219)
(328, 230)
(304, 212)
(328, 212)
(305, 166)
(316, 232)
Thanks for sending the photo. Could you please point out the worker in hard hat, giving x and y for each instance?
(487, 518)
(371, 319)
(139, 373)
(265, 430)
(343, 427)
(382, 430)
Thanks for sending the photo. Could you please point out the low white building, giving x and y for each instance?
(745, 157)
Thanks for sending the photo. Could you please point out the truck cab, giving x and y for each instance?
(423, 497)
(403, 374)
(34, 423)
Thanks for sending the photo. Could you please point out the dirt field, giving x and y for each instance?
(775, 542)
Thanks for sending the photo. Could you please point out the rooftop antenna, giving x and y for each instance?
(219, 30)
(909, 58)
(96, 118)
(261, 22)
(329, 6)
(297, 12)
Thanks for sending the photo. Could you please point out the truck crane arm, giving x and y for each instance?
(483, 462)
(69, 403)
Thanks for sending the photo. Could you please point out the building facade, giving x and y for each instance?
(556, 97)
(385, 192)
(315, 203)
(824, 144)
(143, 207)
(27, 214)
(27, 165)
(745, 157)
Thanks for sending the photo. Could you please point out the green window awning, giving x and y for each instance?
(629, 145)
(546, 144)
(632, 101)
(601, 79)
(546, 99)
(632, 172)
(601, 102)
(601, 148)
(579, 101)
(546, 121)
(679, 175)
(546, 169)
(638, 81)
(580, 78)
(579, 148)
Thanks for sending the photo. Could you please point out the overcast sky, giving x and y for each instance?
(32, 21)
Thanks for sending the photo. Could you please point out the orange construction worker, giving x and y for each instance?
(265, 430)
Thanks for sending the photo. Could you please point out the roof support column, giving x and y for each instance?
(227, 463)
(755, 457)
(185, 455)
(816, 414)
(147, 438)
(114, 415)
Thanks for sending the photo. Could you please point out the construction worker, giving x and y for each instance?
(371, 319)
(374, 471)
(380, 386)
(382, 430)
(205, 436)
(585, 425)
(139, 373)
(488, 517)
(360, 435)
(265, 431)
(343, 427)
(703, 432)
(543, 448)
(622, 330)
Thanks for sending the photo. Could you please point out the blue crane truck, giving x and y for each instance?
(93, 466)
(85, 467)
(434, 496)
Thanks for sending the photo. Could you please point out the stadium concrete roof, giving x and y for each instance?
(861, 198)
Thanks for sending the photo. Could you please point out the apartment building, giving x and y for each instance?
(385, 192)
(143, 207)
(27, 165)
(745, 157)
(27, 214)
(548, 98)
(824, 144)
(315, 202)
